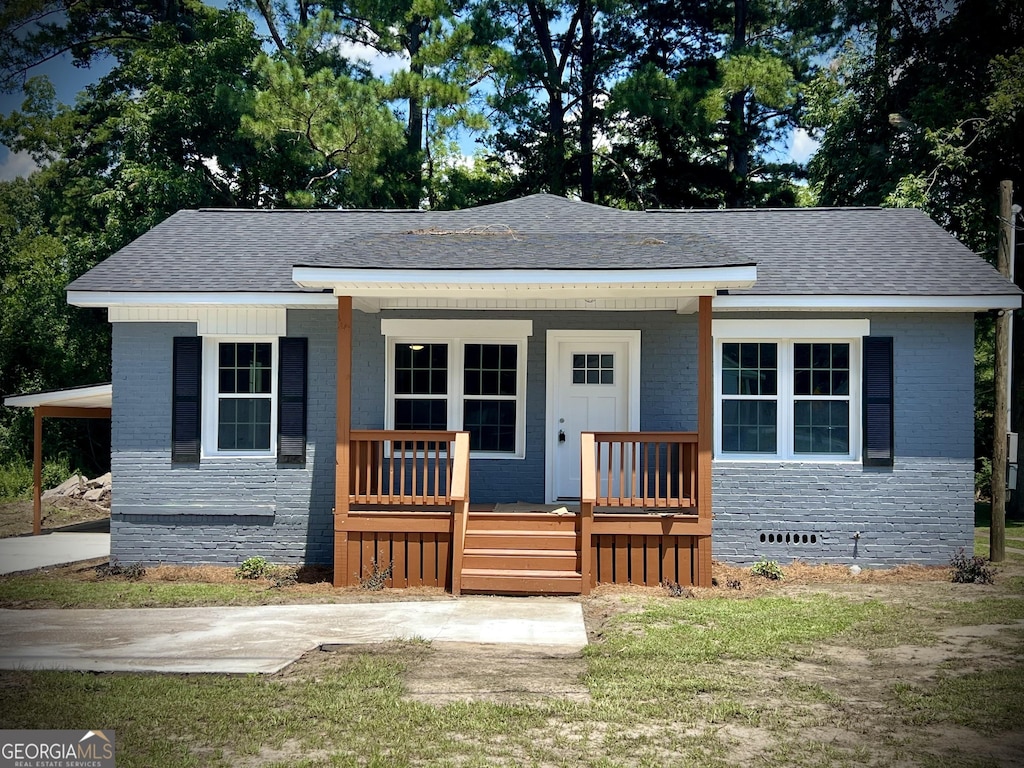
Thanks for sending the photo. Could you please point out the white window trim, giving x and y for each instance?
(456, 334)
(211, 376)
(786, 333)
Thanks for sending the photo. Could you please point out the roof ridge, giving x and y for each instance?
(777, 210)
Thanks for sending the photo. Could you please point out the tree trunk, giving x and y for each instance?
(737, 146)
(552, 81)
(414, 31)
(588, 83)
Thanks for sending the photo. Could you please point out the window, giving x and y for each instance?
(240, 397)
(473, 380)
(787, 397)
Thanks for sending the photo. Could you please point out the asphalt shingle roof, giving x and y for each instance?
(801, 251)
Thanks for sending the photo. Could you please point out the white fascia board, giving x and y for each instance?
(156, 298)
(506, 282)
(867, 303)
(817, 328)
(98, 396)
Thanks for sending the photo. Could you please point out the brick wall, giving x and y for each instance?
(921, 510)
(225, 510)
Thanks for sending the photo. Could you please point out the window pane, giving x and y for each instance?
(244, 424)
(244, 368)
(821, 426)
(421, 414)
(490, 369)
(491, 425)
(749, 426)
(421, 369)
(749, 369)
(821, 369)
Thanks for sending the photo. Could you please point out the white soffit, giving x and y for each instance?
(839, 303)
(97, 396)
(524, 284)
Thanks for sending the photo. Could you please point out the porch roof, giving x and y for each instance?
(89, 396)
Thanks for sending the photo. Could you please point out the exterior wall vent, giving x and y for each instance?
(789, 538)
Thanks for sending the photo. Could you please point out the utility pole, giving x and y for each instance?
(997, 533)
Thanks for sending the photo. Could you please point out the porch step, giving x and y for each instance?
(532, 582)
(520, 521)
(519, 560)
(495, 538)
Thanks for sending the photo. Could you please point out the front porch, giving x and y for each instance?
(643, 513)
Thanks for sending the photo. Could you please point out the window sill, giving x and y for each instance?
(785, 460)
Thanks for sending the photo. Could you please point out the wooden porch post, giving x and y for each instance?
(37, 473)
(342, 578)
(705, 425)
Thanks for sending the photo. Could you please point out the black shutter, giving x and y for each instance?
(291, 401)
(878, 401)
(186, 399)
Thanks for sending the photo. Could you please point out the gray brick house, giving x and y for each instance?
(541, 395)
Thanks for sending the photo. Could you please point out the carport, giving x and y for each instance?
(89, 402)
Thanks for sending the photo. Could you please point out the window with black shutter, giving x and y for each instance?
(878, 401)
(186, 399)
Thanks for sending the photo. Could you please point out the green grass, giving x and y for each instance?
(986, 702)
(44, 590)
(677, 682)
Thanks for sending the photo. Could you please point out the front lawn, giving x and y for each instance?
(880, 672)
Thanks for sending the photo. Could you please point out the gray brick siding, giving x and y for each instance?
(919, 511)
(225, 510)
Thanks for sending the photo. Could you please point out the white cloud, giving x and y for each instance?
(381, 65)
(16, 164)
(802, 146)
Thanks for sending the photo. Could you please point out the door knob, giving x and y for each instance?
(561, 436)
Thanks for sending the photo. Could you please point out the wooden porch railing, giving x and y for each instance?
(403, 467)
(654, 470)
(407, 505)
(623, 473)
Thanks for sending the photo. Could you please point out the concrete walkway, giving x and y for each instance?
(267, 638)
(24, 553)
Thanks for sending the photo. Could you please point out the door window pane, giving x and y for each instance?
(593, 369)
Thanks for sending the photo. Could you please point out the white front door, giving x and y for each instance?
(591, 388)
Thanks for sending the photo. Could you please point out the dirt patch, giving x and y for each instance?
(443, 673)
(16, 516)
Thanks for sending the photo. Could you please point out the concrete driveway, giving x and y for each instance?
(25, 553)
(267, 638)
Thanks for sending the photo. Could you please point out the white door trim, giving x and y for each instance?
(553, 340)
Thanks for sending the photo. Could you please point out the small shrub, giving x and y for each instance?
(253, 568)
(964, 569)
(15, 480)
(114, 569)
(733, 584)
(56, 471)
(767, 569)
(378, 577)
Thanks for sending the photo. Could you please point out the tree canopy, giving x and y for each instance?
(451, 103)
